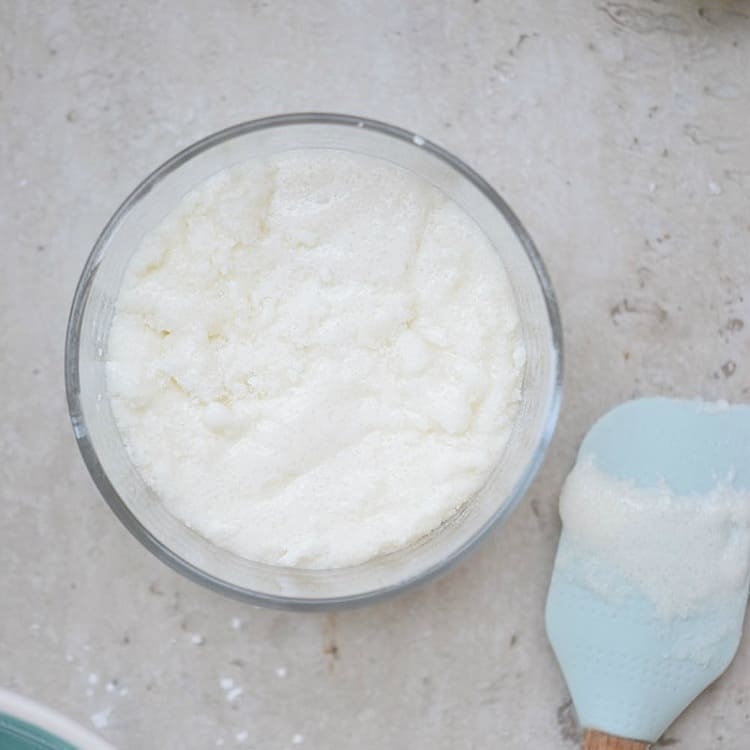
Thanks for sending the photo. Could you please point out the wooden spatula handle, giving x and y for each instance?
(593, 740)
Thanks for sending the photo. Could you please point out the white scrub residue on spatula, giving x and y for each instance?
(650, 585)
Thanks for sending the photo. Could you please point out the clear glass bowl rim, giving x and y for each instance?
(73, 340)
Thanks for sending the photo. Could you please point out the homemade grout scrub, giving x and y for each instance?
(315, 359)
(688, 555)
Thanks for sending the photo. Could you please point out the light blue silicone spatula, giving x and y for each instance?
(627, 676)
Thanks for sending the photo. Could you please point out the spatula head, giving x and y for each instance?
(630, 670)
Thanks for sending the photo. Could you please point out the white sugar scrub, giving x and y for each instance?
(687, 554)
(315, 359)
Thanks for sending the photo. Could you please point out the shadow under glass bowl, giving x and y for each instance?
(132, 499)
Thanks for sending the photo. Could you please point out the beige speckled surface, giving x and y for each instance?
(617, 130)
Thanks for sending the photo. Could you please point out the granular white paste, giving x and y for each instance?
(315, 359)
(686, 554)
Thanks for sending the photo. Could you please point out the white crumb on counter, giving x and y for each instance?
(233, 694)
(101, 718)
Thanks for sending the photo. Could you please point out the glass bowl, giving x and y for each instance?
(134, 502)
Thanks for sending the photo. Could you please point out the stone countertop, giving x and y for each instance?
(619, 133)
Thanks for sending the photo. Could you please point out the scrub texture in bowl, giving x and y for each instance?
(315, 359)
(133, 499)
